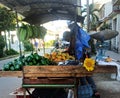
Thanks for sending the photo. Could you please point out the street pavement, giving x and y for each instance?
(107, 84)
(113, 55)
(9, 84)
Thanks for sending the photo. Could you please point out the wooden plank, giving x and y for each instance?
(11, 73)
(34, 75)
(53, 69)
(98, 69)
(105, 69)
(67, 69)
(49, 81)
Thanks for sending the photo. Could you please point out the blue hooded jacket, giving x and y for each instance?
(81, 42)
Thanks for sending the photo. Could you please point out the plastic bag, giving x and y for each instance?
(85, 91)
(82, 39)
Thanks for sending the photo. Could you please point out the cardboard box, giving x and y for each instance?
(19, 93)
(21, 96)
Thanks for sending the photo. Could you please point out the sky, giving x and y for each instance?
(57, 27)
(83, 2)
(98, 1)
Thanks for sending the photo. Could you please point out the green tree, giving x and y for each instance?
(92, 14)
(7, 22)
(2, 45)
(94, 20)
(28, 46)
(105, 26)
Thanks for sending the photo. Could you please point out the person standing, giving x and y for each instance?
(79, 48)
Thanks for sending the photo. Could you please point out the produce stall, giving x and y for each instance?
(42, 72)
(60, 75)
(38, 71)
(50, 75)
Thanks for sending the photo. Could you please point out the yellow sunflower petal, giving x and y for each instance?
(89, 64)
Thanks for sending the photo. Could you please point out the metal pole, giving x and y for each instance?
(75, 17)
(43, 46)
(93, 3)
(88, 16)
(78, 8)
(18, 32)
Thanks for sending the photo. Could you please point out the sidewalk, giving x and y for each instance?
(113, 55)
(108, 87)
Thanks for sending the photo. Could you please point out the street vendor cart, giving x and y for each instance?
(55, 76)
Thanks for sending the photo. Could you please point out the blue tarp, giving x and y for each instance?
(82, 39)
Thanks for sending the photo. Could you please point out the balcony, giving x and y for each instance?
(116, 2)
(116, 8)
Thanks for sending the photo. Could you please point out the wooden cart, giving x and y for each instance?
(55, 76)
(58, 76)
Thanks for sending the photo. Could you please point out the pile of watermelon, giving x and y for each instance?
(34, 59)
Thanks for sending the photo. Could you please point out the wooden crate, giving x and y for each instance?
(59, 76)
(22, 96)
(52, 74)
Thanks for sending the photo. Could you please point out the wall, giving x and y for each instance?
(118, 29)
(108, 9)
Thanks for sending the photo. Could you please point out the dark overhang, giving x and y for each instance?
(42, 11)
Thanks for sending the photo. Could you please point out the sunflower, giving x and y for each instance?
(89, 64)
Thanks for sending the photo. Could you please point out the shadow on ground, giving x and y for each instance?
(108, 88)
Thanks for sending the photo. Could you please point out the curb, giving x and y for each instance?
(8, 57)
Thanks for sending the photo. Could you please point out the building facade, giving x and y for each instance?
(110, 15)
(115, 16)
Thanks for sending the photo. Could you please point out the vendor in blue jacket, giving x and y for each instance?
(79, 48)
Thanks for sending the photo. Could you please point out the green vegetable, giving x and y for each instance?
(17, 67)
(6, 67)
(12, 68)
(32, 59)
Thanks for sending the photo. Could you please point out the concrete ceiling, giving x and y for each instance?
(42, 11)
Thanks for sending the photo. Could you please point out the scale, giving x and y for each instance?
(101, 48)
(102, 44)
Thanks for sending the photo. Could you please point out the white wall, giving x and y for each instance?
(118, 29)
(116, 26)
(108, 9)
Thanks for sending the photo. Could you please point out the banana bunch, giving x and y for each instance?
(24, 32)
(59, 56)
(27, 31)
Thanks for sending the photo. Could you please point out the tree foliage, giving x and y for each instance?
(7, 19)
(2, 45)
(105, 26)
(92, 14)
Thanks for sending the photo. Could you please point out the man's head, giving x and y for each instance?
(67, 36)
